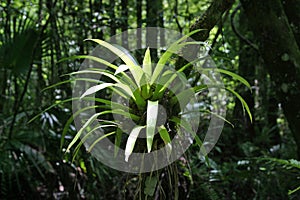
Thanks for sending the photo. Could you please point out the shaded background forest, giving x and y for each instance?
(259, 41)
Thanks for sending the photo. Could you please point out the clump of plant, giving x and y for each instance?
(142, 90)
(147, 86)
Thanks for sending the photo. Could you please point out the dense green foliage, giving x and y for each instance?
(253, 159)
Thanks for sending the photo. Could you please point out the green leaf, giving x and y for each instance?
(150, 185)
(94, 58)
(138, 75)
(243, 102)
(94, 117)
(124, 55)
(152, 112)
(88, 134)
(293, 191)
(164, 134)
(131, 141)
(124, 79)
(99, 139)
(235, 76)
(128, 54)
(70, 120)
(101, 72)
(117, 51)
(127, 89)
(147, 65)
(77, 136)
(174, 48)
(96, 88)
(121, 68)
(212, 113)
(100, 61)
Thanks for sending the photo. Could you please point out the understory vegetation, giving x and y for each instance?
(255, 50)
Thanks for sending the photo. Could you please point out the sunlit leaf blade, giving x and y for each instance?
(96, 88)
(152, 112)
(69, 122)
(94, 58)
(76, 150)
(293, 191)
(139, 100)
(243, 102)
(125, 78)
(163, 132)
(138, 75)
(119, 83)
(123, 55)
(171, 50)
(94, 117)
(128, 54)
(126, 88)
(131, 141)
(147, 67)
(121, 68)
(123, 113)
(100, 72)
(236, 76)
(79, 133)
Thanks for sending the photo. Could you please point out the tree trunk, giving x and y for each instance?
(279, 49)
(206, 22)
(112, 17)
(152, 8)
(138, 53)
(124, 26)
(248, 61)
(292, 11)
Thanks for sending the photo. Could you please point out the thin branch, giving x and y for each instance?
(206, 23)
(244, 39)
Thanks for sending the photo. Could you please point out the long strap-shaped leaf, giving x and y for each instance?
(94, 117)
(99, 60)
(131, 141)
(171, 50)
(243, 102)
(123, 55)
(147, 65)
(152, 112)
(164, 134)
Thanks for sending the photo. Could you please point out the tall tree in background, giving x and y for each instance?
(279, 49)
